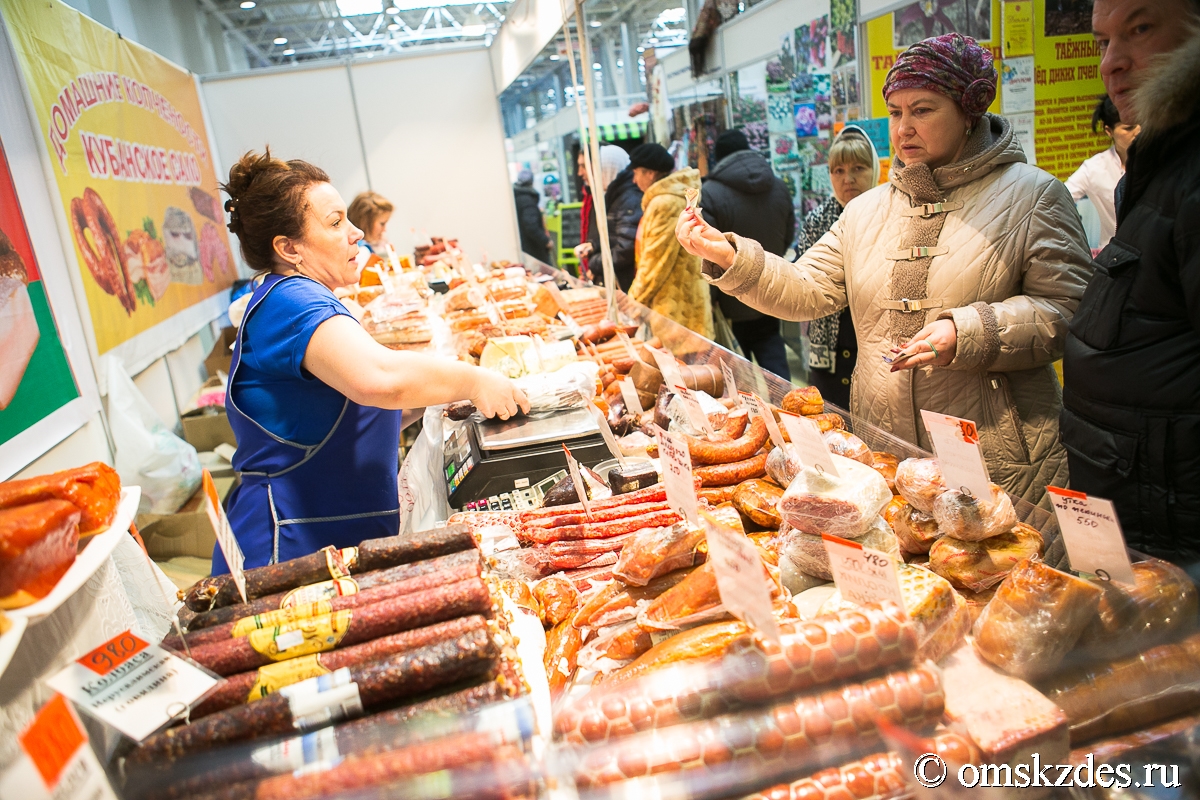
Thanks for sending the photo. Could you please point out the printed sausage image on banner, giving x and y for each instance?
(126, 139)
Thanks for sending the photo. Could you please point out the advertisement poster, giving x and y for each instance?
(35, 378)
(134, 171)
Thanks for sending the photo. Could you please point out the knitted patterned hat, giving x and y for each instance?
(952, 64)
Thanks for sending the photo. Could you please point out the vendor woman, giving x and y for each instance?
(314, 401)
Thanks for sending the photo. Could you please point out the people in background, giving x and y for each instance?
(1097, 178)
(743, 195)
(530, 225)
(370, 213)
(623, 209)
(961, 273)
(1131, 395)
(667, 277)
(832, 344)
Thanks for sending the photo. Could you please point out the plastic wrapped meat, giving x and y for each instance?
(94, 489)
(916, 531)
(656, 551)
(978, 566)
(803, 400)
(929, 600)
(783, 463)
(808, 552)
(1034, 619)
(794, 579)
(37, 545)
(919, 481)
(615, 646)
(622, 603)
(844, 505)
(885, 464)
(699, 643)
(946, 638)
(695, 599)
(680, 421)
(971, 519)
(758, 500)
(844, 443)
(558, 599)
(1161, 604)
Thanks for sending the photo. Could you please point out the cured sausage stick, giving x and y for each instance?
(402, 675)
(833, 647)
(790, 733)
(651, 494)
(734, 473)
(245, 625)
(246, 687)
(330, 589)
(600, 530)
(603, 515)
(746, 445)
(345, 628)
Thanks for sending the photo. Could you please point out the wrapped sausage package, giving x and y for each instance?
(656, 551)
(919, 481)
(844, 443)
(972, 519)
(978, 566)
(845, 505)
(1159, 606)
(808, 552)
(783, 463)
(680, 421)
(1034, 619)
(930, 602)
(614, 647)
(916, 530)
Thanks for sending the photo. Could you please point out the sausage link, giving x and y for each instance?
(600, 530)
(704, 452)
(601, 515)
(651, 494)
(220, 590)
(406, 548)
(715, 495)
(732, 474)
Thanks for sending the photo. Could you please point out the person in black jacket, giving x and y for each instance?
(530, 225)
(743, 196)
(1131, 395)
(623, 207)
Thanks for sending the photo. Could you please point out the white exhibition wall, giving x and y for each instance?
(424, 130)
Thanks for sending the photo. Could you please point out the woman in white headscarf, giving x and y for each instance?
(623, 203)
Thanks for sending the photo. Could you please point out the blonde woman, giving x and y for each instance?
(370, 213)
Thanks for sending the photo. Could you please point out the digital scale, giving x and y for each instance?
(509, 461)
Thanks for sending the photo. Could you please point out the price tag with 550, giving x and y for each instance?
(1092, 535)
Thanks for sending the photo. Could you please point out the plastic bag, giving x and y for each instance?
(615, 646)
(980, 565)
(422, 485)
(557, 597)
(1034, 619)
(656, 551)
(783, 464)
(147, 453)
(844, 443)
(972, 519)
(569, 387)
(1161, 604)
(916, 530)
(808, 552)
(681, 422)
(843, 505)
(919, 481)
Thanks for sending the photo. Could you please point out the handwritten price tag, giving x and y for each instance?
(135, 686)
(677, 475)
(1092, 535)
(956, 445)
(225, 538)
(606, 431)
(731, 390)
(577, 479)
(55, 761)
(862, 575)
(757, 406)
(741, 579)
(668, 366)
(695, 413)
(633, 403)
(806, 436)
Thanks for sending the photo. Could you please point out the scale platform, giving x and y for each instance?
(500, 462)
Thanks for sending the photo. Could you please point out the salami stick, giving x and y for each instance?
(604, 515)
(408, 547)
(402, 675)
(791, 733)
(345, 628)
(331, 589)
(651, 494)
(600, 530)
(730, 474)
(247, 687)
(245, 625)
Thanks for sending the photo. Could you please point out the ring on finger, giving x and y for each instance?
(932, 349)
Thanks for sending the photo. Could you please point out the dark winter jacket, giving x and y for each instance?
(623, 204)
(1131, 399)
(742, 195)
(530, 224)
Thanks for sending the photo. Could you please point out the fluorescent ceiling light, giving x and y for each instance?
(291, 51)
(419, 5)
(248, 4)
(474, 30)
(392, 10)
(280, 40)
(395, 26)
(554, 56)
(672, 16)
(354, 8)
(595, 23)
(596, 66)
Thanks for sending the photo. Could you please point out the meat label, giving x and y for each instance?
(668, 366)
(224, 533)
(695, 413)
(806, 435)
(138, 690)
(55, 761)
(577, 480)
(677, 475)
(741, 578)
(606, 431)
(956, 445)
(633, 403)
(319, 701)
(862, 575)
(763, 410)
(731, 390)
(1092, 535)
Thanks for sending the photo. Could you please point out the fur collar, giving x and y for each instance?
(1168, 95)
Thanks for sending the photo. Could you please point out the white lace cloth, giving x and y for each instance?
(127, 592)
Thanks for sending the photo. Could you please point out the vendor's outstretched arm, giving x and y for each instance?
(344, 356)
(812, 287)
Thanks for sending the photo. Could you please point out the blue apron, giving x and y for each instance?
(295, 499)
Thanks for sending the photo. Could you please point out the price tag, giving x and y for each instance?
(730, 384)
(862, 575)
(757, 406)
(55, 761)
(677, 475)
(132, 685)
(557, 295)
(225, 538)
(633, 403)
(580, 489)
(571, 324)
(956, 445)
(695, 413)
(806, 436)
(628, 345)
(668, 366)
(1092, 535)
(741, 579)
(606, 432)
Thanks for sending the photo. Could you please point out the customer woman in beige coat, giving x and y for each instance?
(961, 274)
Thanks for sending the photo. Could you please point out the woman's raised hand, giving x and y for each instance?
(701, 239)
(497, 396)
(934, 346)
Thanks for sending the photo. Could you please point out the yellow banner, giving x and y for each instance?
(133, 165)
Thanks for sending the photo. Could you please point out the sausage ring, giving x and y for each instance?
(105, 261)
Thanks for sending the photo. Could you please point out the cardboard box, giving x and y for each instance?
(221, 356)
(207, 427)
(187, 532)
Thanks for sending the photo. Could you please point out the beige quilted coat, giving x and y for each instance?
(1009, 263)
